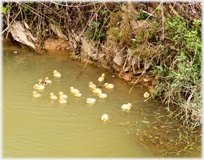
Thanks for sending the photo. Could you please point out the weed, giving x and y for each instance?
(5, 9)
(53, 21)
(96, 28)
(95, 31)
(180, 82)
(143, 16)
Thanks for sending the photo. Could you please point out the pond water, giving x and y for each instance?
(44, 128)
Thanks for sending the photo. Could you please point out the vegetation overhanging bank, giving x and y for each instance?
(156, 44)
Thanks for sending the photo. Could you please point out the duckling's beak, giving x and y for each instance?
(108, 120)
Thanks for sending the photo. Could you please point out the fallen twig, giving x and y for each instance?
(11, 22)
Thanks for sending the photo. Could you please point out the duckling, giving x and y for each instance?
(108, 86)
(39, 87)
(77, 94)
(42, 82)
(126, 106)
(62, 100)
(62, 95)
(146, 95)
(102, 95)
(56, 74)
(91, 85)
(105, 118)
(96, 90)
(90, 100)
(52, 96)
(101, 79)
(73, 90)
(36, 95)
(47, 80)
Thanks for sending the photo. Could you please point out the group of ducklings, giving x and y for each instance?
(41, 86)
(104, 117)
(97, 90)
(76, 93)
(62, 97)
(125, 107)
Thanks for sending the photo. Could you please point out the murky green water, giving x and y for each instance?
(41, 128)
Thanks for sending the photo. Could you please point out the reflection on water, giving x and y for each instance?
(42, 128)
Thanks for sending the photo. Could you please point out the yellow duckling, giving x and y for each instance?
(56, 74)
(47, 80)
(91, 85)
(39, 87)
(104, 118)
(90, 100)
(77, 94)
(146, 95)
(96, 90)
(102, 95)
(126, 106)
(101, 79)
(62, 95)
(52, 96)
(42, 82)
(108, 85)
(62, 100)
(73, 90)
(36, 95)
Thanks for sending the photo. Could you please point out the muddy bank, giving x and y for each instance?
(62, 45)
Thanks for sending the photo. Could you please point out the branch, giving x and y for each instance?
(11, 22)
(151, 14)
(163, 19)
(81, 71)
(76, 5)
